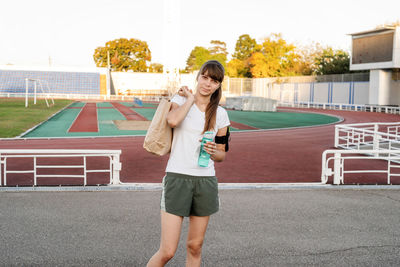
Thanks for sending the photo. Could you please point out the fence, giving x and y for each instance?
(339, 157)
(338, 106)
(83, 97)
(6, 155)
(363, 141)
(376, 136)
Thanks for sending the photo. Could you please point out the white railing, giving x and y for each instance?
(339, 106)
(113, 169)
(337, 169)
(156, 96)
(374, 135)
(393, 130)
(83, 97)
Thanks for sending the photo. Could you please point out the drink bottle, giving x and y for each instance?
(204, 157)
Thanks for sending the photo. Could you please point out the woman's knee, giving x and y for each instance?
(194, 246)
(167, 254)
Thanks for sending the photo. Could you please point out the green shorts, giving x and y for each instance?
(186, 195)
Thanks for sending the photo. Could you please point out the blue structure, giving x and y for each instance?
(13, 81)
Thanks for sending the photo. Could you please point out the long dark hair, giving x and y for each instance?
(216, 71)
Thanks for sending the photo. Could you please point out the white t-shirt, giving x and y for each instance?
(185, 144)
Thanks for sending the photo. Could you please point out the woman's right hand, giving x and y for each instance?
(178, 113)
(185, 92)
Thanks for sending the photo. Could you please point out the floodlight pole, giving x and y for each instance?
(108, 59)
(108, 75)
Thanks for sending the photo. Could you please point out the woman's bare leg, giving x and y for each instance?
(197, 231)
(170, 233)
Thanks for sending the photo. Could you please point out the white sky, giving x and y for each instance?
(69, 31)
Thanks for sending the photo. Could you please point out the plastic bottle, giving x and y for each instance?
(204, 157)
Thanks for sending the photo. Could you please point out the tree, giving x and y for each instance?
(245, 47)
(156, 67)
(218, 51)
(332, 62)
(197, 57)
(236, 68)
(260, 67)
(390, 24)
(239, 66)
(276, 58)
(200, 54)
(307, 55)
(218, 47)
(125, 54)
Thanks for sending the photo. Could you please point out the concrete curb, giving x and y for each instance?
(221, 186)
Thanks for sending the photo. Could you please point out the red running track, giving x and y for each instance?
(292, 155)
(241, 126)
(86, 120)
(127, 112)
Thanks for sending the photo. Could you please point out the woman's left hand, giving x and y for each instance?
(210, 147)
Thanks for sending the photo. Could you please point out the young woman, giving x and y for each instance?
(188, 189)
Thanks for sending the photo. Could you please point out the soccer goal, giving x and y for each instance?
(38, 84)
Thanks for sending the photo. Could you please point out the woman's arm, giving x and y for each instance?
(217, 151)
(178, 113)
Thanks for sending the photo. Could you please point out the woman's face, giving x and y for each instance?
(206, 85)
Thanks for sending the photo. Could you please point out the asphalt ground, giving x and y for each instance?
(269, 227)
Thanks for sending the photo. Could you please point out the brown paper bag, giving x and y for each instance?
(159, 135)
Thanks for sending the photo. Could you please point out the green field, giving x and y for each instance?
(278, 120)
(16, 119)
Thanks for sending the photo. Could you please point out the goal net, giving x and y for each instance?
(32, 86)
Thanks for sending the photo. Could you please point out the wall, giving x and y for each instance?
(395, 92)
(360, 93)
(382, 89)
(332, 92)
(125, 82)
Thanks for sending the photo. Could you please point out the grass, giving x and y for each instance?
(16, 119)
(274, 120)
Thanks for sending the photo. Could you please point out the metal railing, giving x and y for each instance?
(6, 155)
(158, 97)
(84, 97)
(340, 106)
(373, 135)
(340, 156)
(363, 141)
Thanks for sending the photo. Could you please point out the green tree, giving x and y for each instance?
(239, 66)
(245, 47)
(332, 62)
(197, 57)
(218, 47)
(125, 54)
(218, 51)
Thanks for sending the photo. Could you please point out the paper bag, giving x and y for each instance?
(159, 135)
